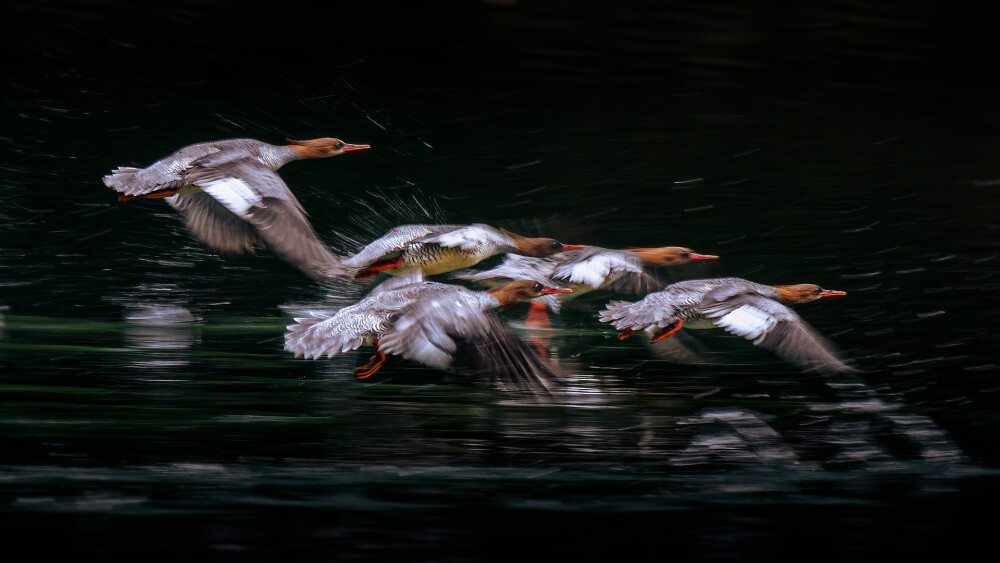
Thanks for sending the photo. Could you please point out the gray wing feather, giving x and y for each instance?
(139, 181)
(775, 327)
(656, 309)
(517, 267)
(290, 236)
(427, 329)
(214, 225)
(634, 283)
(317, 336)
(166, 173)
(276, 216)
(393, 283)
(171, 171)
(602, 268)
(393, 241)
(509, 363)
(222, 159)
(513, 267)
(323, 334)
(467, 237)
(450, 331)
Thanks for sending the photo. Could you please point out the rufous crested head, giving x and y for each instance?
(523, 290)
(669, 255)
(322, 147)
(804, 293)
(539, 247)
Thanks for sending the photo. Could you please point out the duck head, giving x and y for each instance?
(322, 147)
(523, 290)
(539, 247)
(669, 255)
(804, 293)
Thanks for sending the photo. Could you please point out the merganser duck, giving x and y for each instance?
(233, 201)
(741, 307)
(436, 249)
(621, 271)
(437, 324)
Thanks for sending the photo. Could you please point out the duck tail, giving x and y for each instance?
(120, 178)
(614, 311)
(124, 181)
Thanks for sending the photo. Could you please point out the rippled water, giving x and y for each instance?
(148, 409)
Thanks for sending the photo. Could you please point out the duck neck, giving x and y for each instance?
(785, 295)
(505, 298)
(649, 256)
(525, 246)
(274, 157)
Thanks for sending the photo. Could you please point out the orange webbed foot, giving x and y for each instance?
(626, 334)
(668, 331)
(373, 365)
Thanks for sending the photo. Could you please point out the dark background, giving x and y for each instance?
(850, 144)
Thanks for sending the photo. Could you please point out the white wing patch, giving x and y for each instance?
(424, 341)
(234, 193)
(747, 321)
(592, 272)
(466, 238)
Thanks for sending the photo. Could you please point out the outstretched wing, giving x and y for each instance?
(601, 268)
(469, 237)
(323, 334)
(775, 327)
(513, 267)
(634, 283)
(214, 225)
(255, 194)
(446, 331)
(508, 362)
(654, 310)
(392, 242)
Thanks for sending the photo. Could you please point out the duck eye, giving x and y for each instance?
(556, 244)
(685, 254)
(538, 287)
(340, 144)
(818, 290)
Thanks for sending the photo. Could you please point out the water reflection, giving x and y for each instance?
(163, 331)
(736, 436)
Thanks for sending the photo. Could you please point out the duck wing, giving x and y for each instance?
(170, 172)
(215, 226)
(513, 267)
(392, 243)
(131, 181)
(467, 237)
(450, 330)
(255, 194)
(321, 334)
(601, 268)
(508, 362)
(660, 309)
(327, 334)
(518, 267)
(634, 283)
(773, 326)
